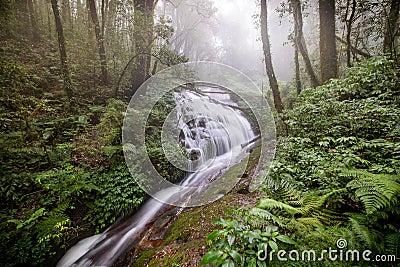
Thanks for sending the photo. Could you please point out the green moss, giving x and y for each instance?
(169, 261)
(253, 159)
(143, 256)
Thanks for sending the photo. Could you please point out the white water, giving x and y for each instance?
(216, 135)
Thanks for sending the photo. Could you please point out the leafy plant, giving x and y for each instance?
(238, 243)
(118, 195)
(336, 173)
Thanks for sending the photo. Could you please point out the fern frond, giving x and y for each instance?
(269, 204)
(375, 191)
(55, 225)
(362, 232)
(310, 222)
(392, 244)
(334, 194)
(282, 189)
(313, 202)
(262, 217)
(329, 217)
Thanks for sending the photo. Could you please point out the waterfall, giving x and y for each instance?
(213, 132)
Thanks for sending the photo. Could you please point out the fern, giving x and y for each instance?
(305, 224)
(55, 225)
(269, 203)
(261, 218)
(375, 191)
(392, 243)
(304, 212)
(362, 232)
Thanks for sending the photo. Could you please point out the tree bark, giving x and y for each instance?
(297, 69)
(144, 24)
(349, 24)
(391, 28)
(112, 11)
(268, 60)
(22, 15)
(48, 21)
(327, 43)
(100, 42)
(103, 17)
(301, 44)
(63, 52)
(32, 18)
(66, 13)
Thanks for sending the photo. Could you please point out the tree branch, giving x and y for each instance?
(354, 49)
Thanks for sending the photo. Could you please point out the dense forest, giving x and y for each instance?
(68, 69)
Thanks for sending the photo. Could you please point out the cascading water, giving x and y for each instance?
(213, 140)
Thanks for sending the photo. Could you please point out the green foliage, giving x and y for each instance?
(154, 146)
(336, 173)
(62, 169)
(238, 242)
(363, 105)
(118, 195)
(45, 219)
(59, 171)
(375, 191)
(349, 123)
(109, 127)
(65, 184)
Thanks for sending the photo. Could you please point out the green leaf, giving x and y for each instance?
(285, 239)
(82, 119)
(228, 263)
(273, 245)
(213, 235)
(210, 257)
(250, 252)
(236, 256)
(47, 135)
(231, 239)
(252, 262)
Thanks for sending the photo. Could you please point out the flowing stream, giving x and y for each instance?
(215, 139)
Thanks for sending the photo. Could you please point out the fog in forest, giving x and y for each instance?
(231, 35)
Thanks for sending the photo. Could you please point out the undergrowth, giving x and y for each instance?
(336, 174)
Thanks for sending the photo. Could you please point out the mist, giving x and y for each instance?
(230, 35)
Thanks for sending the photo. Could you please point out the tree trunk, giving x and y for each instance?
(301, 44)
(144, 24)
(100, 42)
(90, 27)
(297, 69)
(327, 43)
(80, 11)
(349, 24)
(22, 15)
(391, 28)
(268, 60)
(48, 21)
(103, 17)
(110, 31)
(32, 18)
(66, 13)
(112, 11)
(63, 53)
